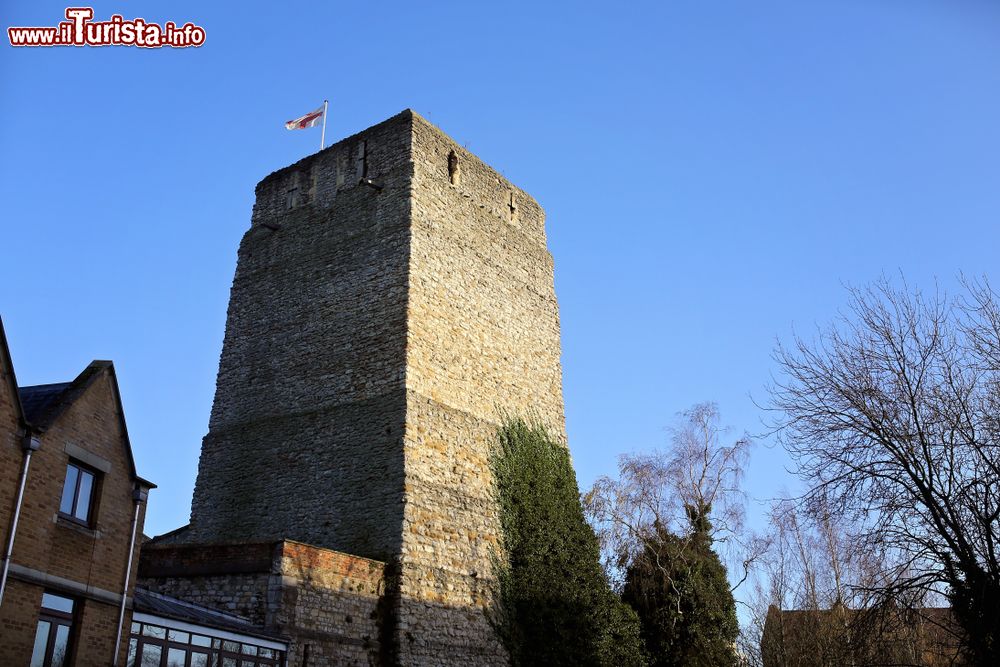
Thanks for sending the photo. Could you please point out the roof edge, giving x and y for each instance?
(18, 407)
(78, 387)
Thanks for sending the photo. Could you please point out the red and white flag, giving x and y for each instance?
(309, 120)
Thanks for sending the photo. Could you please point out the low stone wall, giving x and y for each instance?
(326, 602)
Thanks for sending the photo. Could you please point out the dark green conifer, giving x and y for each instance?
(554, 605)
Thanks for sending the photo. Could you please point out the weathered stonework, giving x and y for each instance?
(393, 296)
(305, 434)
(320, 599)
(482, 336)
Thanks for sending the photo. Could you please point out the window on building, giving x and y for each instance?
(156, 646)
(52, 636)
(77, 501)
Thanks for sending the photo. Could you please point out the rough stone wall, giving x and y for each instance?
(483, 322)
(482, 338)
(233, 578)
(450, 530)
(305, 437)
(371, 339)
(330, 602)
(318, 598)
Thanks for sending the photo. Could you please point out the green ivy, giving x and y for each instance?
(554, 605)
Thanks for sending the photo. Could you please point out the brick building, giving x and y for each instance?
(925, 637)
(393, 295)
(64, 568)
(65, 599)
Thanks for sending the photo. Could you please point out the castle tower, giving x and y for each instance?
(392, 293)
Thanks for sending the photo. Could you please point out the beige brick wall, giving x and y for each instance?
(45, 543)
(18, 618)
(10, 445)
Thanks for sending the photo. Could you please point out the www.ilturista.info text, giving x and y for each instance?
(81, 30)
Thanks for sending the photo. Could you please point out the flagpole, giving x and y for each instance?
(322, 136)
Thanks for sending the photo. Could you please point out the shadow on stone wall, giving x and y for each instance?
(336, 609)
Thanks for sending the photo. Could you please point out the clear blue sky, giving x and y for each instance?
(713, 174)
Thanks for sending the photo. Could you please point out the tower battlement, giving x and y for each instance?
(376, 152)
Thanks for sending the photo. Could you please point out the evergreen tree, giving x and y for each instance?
(555, 606)
(678, 587)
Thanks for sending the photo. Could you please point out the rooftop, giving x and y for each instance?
(39, 399)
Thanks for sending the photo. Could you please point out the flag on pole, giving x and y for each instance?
(309, 120)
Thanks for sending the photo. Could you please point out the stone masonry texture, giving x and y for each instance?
(315, 597)
(393, 298)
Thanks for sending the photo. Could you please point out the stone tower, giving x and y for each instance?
(392, 294)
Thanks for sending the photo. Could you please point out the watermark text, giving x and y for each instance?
(79, 29)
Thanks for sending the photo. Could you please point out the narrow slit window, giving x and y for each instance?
(454, 169)
(512, 216)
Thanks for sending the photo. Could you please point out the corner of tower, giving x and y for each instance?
(440, 159)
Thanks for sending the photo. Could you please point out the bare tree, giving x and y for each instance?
(892, 417)
(810, 603)
(698, 478)
(797, 614)
(661, 524)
